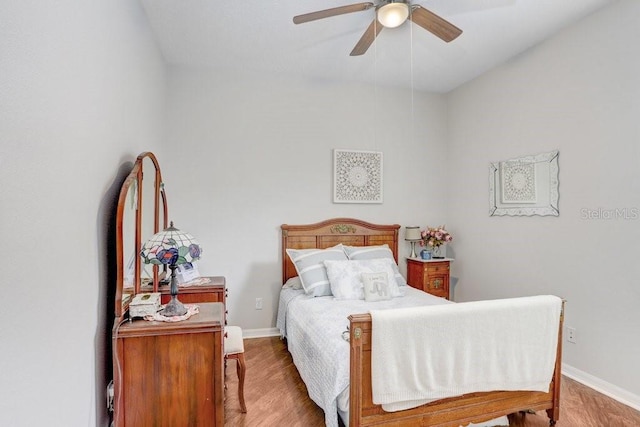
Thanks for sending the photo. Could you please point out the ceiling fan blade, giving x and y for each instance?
(434, 24)
(358, 7)
(367, 38)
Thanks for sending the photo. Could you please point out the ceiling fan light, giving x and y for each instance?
(393, 14)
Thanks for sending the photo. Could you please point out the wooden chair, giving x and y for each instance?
(234, 349)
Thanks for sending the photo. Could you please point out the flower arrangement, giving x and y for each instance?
(434, 237)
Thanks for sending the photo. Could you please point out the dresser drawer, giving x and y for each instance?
(435, 283)
(212, 290)
(437, 267)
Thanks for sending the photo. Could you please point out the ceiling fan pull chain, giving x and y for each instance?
(411, 76)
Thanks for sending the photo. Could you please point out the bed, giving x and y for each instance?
(346, 388)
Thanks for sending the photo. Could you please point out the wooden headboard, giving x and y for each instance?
(321, 235)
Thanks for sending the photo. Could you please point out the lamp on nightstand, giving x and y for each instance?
(171, 247)
(412, 234)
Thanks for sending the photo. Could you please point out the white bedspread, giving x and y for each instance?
(507, 344)
(313, 328)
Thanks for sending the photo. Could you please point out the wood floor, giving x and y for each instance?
(276, 396)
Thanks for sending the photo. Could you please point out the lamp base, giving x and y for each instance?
(413, 250)
(174, 308)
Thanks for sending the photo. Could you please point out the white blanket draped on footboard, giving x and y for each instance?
(454, 349)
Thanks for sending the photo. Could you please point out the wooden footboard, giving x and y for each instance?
(457, 411)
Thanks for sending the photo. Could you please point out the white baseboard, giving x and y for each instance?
(613, 391)
(260, 333)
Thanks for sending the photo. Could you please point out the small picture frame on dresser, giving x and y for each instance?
(187, 272)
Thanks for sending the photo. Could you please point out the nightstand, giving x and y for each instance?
(429, 275)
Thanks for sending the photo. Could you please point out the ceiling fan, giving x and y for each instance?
(389, 14)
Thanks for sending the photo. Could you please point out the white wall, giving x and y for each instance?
(579, 92)
(81, 94)
(247, 153)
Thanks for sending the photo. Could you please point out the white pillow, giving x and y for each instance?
(371, 252)
(376, 287)
(293, 283)
(345, 277)
(311, 270)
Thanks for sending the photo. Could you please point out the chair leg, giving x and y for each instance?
(240, 368)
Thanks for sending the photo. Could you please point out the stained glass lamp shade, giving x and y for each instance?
(171, 247)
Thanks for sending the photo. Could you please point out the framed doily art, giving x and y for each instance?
(525, 186)
(357, 176)
(518, 182)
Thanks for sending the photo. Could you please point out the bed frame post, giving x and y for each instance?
(355, 369)
(554, 412)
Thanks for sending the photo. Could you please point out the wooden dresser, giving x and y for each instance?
(164, 374)
(170, 374)
(431, 275)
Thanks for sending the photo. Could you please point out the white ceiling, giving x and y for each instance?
(259, 36)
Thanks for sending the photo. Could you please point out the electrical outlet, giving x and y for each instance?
(258, 303)
(571, 335)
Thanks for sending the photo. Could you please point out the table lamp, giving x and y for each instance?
(171, 247)
(412, 234)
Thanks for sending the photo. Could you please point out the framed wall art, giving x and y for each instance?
(518, 182)
(357, 176)
(525, 186)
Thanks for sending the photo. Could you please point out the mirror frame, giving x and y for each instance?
(136, 177)
(551, 192)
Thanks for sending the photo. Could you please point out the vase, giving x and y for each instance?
(425, 254)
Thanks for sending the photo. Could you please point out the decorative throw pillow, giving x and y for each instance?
(376, 286)
(309, 264)
(370, 252)
(293, 283)
(345, 277)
